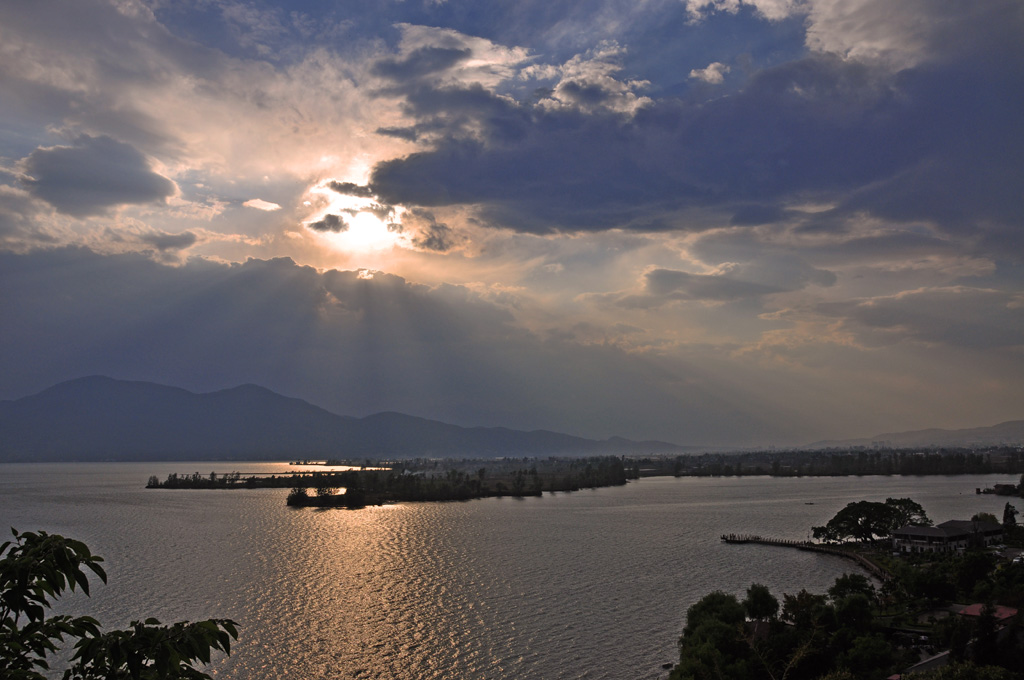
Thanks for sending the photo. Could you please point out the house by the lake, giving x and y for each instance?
(954, 535)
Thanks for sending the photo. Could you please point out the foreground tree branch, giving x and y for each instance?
(36, 569)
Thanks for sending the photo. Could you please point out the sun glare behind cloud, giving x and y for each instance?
(365, 233)
(352, 224)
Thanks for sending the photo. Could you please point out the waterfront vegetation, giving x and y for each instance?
(841, 462)
(865, 520)
(463, 479)
(36, 568)
(422, 480)
(860, 630)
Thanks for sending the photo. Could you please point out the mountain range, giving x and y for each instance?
(99, 418)
(1010, 432)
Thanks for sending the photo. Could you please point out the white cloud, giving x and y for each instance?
(194, 108)
(588, 82)
(713, 73)
(898, 34)
(260, 204)
(904, 34)
(483, 62)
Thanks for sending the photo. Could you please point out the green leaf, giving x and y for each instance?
(37, 566)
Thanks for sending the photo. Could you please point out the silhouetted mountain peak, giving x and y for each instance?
(1009, 432)
(102, 418)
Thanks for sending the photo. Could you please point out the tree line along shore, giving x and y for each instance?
(421, 479)
(831, 462)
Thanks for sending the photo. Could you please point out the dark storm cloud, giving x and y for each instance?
(350, 189)
(667, 286)
(753, 214)
(565, 170)
(409, 134)
(437, 238)
(459, 112)
(878, 249)
(421, 62)
(431, 234)
(747, 271)
(939, 142)
(960, 316)
(748, 246)
(353, 342)
(584, 93)
(381, 211)
(163, 241)
(93, 175)
(329, 223)
(672, 284)
(19, 220)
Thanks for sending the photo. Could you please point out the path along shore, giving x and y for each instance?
(871, 567)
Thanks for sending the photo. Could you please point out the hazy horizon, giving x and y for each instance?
(708, 222)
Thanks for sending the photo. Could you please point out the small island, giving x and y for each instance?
(421, 480)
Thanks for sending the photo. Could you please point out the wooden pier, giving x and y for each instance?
(866, 564)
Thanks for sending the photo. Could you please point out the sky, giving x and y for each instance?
(711, 222)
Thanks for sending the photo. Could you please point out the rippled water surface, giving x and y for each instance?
(592, 584)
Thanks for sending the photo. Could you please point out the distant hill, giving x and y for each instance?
(1010, 432)
(98, 418)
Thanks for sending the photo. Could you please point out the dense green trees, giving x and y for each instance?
(760, 604)
(852, 584)
(713, 644)
(37, 568)
(815, 635)
(858, 632)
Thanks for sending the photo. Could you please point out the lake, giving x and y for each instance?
(591, 584)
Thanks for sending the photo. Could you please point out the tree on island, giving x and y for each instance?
(866, 520)
(325, 489)
(38, 567)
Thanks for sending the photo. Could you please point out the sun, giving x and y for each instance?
(366, 232)
(357, 226)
